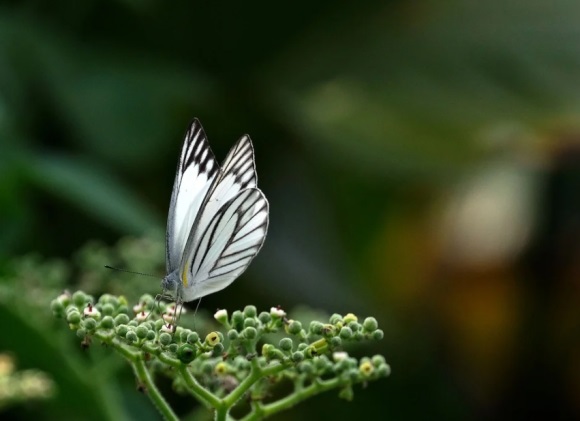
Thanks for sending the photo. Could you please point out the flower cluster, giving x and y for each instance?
(221, 366)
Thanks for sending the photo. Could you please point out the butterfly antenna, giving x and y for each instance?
(130, 271)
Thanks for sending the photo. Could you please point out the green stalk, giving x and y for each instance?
(145, 377)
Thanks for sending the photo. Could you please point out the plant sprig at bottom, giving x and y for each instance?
(233, 365)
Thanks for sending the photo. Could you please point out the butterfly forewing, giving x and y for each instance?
(237, 173)
(227, 245)
(196, 171)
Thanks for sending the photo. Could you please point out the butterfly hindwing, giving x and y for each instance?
(196, 171)
(227, 245)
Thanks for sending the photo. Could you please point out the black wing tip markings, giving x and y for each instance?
(196, 150)
(241, 163)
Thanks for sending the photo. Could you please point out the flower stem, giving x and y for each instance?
(202, 394)
(145, 377)
(260, 411)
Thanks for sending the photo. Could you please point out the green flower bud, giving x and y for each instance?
(192, 338)
(302, 346)
(64, 299)
(267, 349)
(146, 299)
(249, 323)
(328, 330)
(108, 309)
(335, 318)
(159, 323)
(250, 311)
(378, 360)
(79, 298)
(122, 330)
(384, 370)
(305, 367)
(186, 353)
(172, 347)
(57, 308)
(286, 344)
(264, 317)
(350, 318)
(232, 334)
(123, 309)
(141, 331)
(107, 322)
(73, 317)
(121, 319)
(212, 339)
(354, 326)
(358, 336)
(345, 332)
(316, 328)
(370, 324)
(183, 334)
(151, 335)
(378, 334)
(242, 363)
(335, 342)
(89, 324)
(131, 336)
(250, 333)
(294, 327)
(218, 349)
(109, 299)
(237, 319)
(353, 375)
(81, 333)
(133, 323)
(165, 338)
(297, 356)
(206, 367)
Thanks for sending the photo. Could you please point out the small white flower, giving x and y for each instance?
(137, 308)
(221, 315)
(142, 316)
(167, 328)
(91, 311)
(339, 356)
(277, 312)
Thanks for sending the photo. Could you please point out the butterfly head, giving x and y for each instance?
(171, 284)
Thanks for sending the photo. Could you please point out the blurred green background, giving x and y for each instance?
(421, 159)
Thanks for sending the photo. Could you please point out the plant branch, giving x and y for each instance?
(145, 377)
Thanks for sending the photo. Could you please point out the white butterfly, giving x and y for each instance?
(218, 218)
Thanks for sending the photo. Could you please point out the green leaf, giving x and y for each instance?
(92, 188)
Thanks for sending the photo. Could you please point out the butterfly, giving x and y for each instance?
(218, 218)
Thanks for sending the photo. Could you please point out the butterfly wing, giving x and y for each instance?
(238, 173)
(196, 171)
(227, 245)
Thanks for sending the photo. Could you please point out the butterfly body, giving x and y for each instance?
(218, 218)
